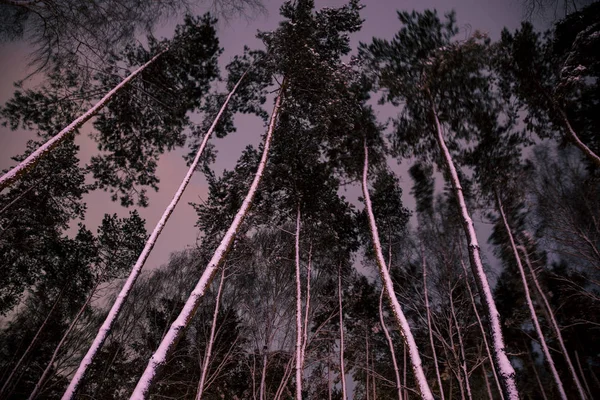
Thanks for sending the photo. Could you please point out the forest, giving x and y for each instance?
(448, 251)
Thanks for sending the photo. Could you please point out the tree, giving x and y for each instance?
(440, 81)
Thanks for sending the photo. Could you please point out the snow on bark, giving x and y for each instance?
(534, 318)
(137, 268)
(483, 335)
(403, 324)
(503, 365)
(178, 327)
(555, 326)
(14, 174)
(211, 339)
(390, 346)
(298, 311)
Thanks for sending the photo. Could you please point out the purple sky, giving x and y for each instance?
(380, 20)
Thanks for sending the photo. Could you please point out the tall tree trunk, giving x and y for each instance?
(534, 318)
(46, 372)
(582, 374)
(137, 268)
(554, 324)
(401, 320)
(31, 344)
(211, 339)
(386, 332)
(535, 372)
(24, 166)
(178, 327)
(298, 311)
(342, 367)
(503, 366)
(483, 334)
(263, 374)
(391, 347)
(429, 327)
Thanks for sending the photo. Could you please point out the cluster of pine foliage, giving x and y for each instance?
(294, 290)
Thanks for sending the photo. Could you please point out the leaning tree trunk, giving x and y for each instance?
(463, 355)
(389, 289)
(534, 318)
(555, 326)
(178, 327)
(342, 367)
(298, 311)
(137, 268)
(31, 344)
(503, 366)
(482, 329)
(46, 372)
(24, 166)
(386, 332)
(211, 339)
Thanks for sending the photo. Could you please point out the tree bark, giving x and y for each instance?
(502, 363)
(137, 268)
(178, 327)
(403, 324)
(554, 324)
(532, 313)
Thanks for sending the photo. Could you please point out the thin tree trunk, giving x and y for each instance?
(211, 339)
(391, 347)
(487, 382)
(389, 288)
(342, 367)
(32, 343)
(24, 166)
(177, 329)
(537, 376)
(366, 367)
(582, 374)
(263, 374)
(46, 372)
(404, 370)
(554, 324)
(483, 334)
(386, 332)
(298, 311)
(286, 377)
(505, 369)
(429, 328)
(463, 363)
(532, 313)
(569, 131)
(137, 268)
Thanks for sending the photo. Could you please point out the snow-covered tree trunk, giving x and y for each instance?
(401, 320)
(554, 324)
(298, 310)
(14, 174)
(137, 268)
(306, 306)
(429, 327)
(386, 331)
(211, 338)
(503, 365)
(532, 313)
(342, 366)
(60, 344)
(31, 344)
(178, 327)
(482, 329)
